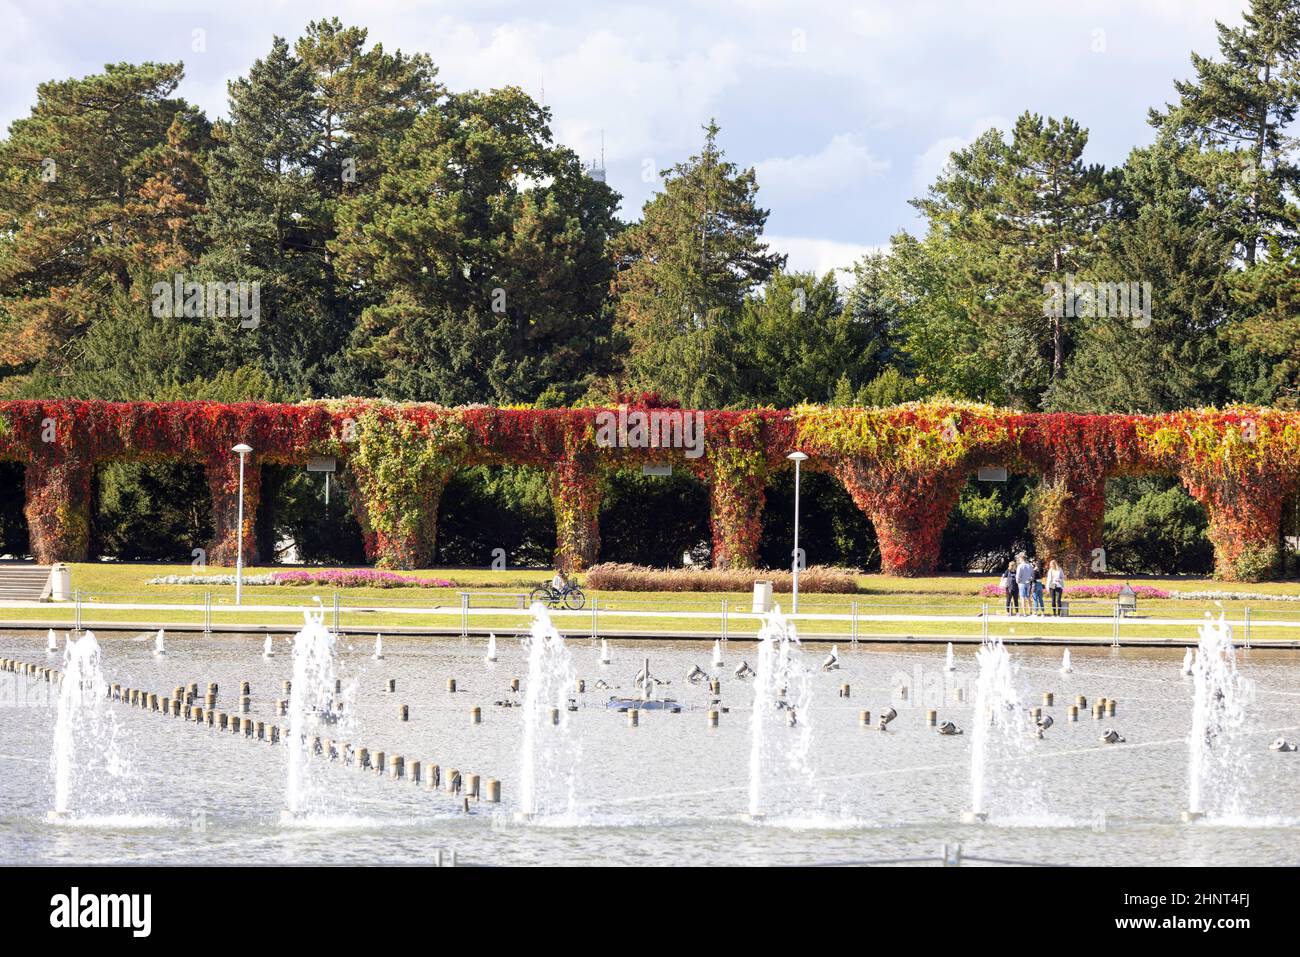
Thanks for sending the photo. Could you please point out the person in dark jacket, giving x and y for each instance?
(1010, 590)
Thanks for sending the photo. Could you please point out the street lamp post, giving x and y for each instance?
(243, 451)
(796, 458)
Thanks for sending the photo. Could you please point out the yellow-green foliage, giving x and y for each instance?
(1229, 441)
(915, 435)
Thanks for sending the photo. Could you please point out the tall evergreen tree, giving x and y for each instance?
(1237, 111)
(1022, 215)
(488, 242)
(684, 272)
(1163, 235)
(305, 131)
(86, 196)
(795, 342)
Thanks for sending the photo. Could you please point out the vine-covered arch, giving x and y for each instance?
(904, 466)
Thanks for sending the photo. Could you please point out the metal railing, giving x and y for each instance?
(949, 856)
(829, 617)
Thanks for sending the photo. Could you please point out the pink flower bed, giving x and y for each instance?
(1088, 591)
(356, 578)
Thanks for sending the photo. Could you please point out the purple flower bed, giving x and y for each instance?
(1088, 591)
(356, 578)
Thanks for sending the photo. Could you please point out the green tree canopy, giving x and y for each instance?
(98, 182)
(683, 274)
(488, 241)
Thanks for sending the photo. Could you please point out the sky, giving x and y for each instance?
(846, 109)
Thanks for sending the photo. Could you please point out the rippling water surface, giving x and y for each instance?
(671, 791)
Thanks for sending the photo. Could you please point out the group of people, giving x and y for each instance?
(1024, 583)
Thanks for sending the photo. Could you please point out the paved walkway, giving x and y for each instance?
(622, 623)
(1259, 620)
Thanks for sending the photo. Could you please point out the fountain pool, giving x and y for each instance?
(672, 790)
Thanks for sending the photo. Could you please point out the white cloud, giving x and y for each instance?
(931, 161)
(917, 80)
(818, 255)
(835, 168)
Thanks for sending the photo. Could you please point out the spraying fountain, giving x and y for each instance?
(1189, 660)
(549, 752)
(87, 766)
(717, 654)
(379, 648)
(51, 643)
(604, 652)
(267, 650)
(950, 664)
(1216, 773)
(159, 642)
(1002, 732)
(781, 725)
(491, 648)
(311, 699)
(1065, 662)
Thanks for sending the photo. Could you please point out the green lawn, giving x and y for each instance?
(101, 583)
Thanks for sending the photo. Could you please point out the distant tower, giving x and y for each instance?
(597, 172)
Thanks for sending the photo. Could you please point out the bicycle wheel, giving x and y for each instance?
(575, 599)
(542, 594)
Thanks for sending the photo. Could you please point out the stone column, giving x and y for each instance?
(1067, 519)
(58, 507)
(909, 509)
(223, 484)
(735, 517)
(576, 493)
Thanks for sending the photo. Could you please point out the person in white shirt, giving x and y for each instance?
(1055, 585)
(1025, 584)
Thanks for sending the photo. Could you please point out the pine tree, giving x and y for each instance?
(1162, 235)
(305, 131)
(795, 338)
(684, 272)
(83, 204)
(1237, 111)
(1021, 215)
(488, 241)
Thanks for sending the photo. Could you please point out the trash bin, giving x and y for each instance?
(762, 598)
(60, 582)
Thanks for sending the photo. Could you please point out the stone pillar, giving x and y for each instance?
(405, 536)
(58, 507)
(223, 483)
(1245, 520)
(735, 517)
(576, 493)
(1067, 519)
(909, 509)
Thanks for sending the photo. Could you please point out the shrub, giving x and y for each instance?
(611, 576)
(675, 506)
(987, 527)
(1255, 563)
(1157, 532)
(356, 578)
(223, 579)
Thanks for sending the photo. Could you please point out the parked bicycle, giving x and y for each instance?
(570, 596)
